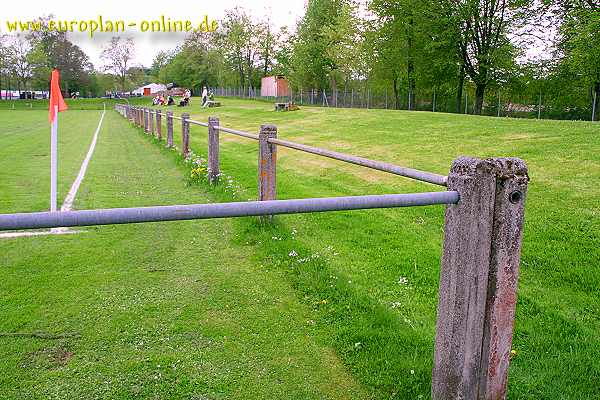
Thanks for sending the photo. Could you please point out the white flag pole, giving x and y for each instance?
(53, 160)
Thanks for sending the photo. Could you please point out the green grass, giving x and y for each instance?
(166, 310)
(352, 315)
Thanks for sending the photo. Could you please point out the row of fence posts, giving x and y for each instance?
(151, 121)
(479, 267)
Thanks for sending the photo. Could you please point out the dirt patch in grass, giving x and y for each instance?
(48, 358)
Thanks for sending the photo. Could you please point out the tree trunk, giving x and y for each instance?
(459, 88)
(479, 92)
(333, 90)
(411, 84)
(410, 68)
(396, 94)
(596, 101)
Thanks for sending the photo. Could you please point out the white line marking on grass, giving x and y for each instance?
(68, 203)
(55, 231)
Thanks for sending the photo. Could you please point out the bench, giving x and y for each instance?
(289, 106)
(282, 106)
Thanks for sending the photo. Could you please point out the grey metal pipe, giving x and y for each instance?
(191, 121)
(365, 162)
(236, 132)
(424, 176)
(222, 210)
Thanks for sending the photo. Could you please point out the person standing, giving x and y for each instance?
(204, 96)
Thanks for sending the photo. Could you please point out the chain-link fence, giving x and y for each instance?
(497, 102)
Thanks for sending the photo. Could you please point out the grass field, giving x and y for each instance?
(334, 305)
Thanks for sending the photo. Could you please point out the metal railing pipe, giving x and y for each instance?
(236, 132)
(221, 210)
(191, 121)
(365, 162)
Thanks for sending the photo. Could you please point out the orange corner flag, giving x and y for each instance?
(56, 98)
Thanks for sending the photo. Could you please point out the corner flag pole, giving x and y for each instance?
(53, 160)
(57, 104)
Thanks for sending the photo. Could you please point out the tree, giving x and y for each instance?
(325, 40)
(579, 43)
(118, 56)
(56, 51)
(196, 63)
(400, 41)
(18, 61)
(482, 38)
(239, 40)
(4, 63)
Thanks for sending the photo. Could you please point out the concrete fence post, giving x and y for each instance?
(169, 128)
(478, 279)
(267, 162)
(151, 121)
(159, 125)
(213, 150)
(185, 134)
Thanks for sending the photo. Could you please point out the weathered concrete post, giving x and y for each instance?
(267, 162)
(478, 279)
(151, 121)
(213, 150)
(185, 134)
(169, 128)
(159, 124)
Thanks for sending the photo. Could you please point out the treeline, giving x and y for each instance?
(474, 53)
(26, 61)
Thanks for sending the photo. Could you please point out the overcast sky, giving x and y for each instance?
(280, 13)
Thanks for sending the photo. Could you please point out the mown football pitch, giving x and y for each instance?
(333, 305)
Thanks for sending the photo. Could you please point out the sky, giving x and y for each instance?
(280, 13)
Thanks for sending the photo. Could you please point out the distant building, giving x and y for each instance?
(274, 86)
(149, 89)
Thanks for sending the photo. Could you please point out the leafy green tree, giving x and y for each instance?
(55, 51)
(400, 41)
(579, 44)
(239, 39)
(481, 30)
(326, 40)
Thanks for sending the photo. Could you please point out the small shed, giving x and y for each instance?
(274, 86)
(149, 89)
